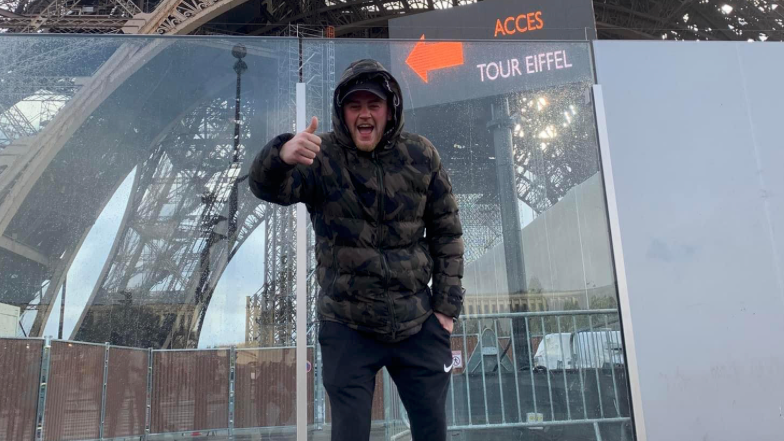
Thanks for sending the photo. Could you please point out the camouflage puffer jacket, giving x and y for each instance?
(370, 212)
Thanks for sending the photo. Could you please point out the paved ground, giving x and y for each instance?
(564, 433)
(377, 434)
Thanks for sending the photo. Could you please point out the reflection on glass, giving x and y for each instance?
(538, 347)
(125, 219)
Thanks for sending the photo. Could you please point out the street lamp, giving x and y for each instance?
(239, 52)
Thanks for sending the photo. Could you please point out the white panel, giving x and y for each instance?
(696, 143)
(302, 293)
(630, 343)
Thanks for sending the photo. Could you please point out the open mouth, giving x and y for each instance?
(365, 129)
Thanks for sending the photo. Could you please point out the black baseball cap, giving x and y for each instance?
(365, 86)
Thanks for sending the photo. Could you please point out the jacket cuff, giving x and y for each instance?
(276, 162)
(448, 302)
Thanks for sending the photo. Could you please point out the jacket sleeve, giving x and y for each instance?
(445, 240)
(274, 181)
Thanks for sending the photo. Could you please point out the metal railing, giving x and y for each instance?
(535, 370)
(515, 371)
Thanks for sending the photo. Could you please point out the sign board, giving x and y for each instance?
(502, 20)
(435, 73)
(534, 418)
(457, 359)
(489, 350)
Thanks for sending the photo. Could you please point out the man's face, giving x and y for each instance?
(366, 117)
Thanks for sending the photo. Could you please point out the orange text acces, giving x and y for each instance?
(522, 23)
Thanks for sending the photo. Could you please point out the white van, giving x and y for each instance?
(602, 348)
(554, 352)
(597, 349)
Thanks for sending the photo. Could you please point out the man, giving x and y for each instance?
(372, 191)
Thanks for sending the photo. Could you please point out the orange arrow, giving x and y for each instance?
(433, 56)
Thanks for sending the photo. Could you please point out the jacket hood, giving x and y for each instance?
(369, 70)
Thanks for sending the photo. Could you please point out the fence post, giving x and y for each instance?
(498, 369)
(597, 432)
(103, 390)
(466, 359)
(42, 388)
(320, 406)
(388, 411)
(232, 374)
(148, 410)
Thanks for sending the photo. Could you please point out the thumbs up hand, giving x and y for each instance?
(302, 148)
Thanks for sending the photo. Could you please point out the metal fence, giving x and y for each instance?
(517, 371)
(534, 371)
(56, 390)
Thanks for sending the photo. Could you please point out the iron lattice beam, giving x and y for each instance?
(616, 19)
(66, 24)
(68, 16)
(689, 19)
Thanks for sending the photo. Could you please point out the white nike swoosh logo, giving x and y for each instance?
(447, 369)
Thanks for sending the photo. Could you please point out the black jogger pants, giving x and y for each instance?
(420, 367)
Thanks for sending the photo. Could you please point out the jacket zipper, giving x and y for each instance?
(390, 303)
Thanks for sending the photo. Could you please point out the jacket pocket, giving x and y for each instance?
(428, 262)
(440, 331)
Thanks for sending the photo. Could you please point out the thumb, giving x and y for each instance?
(313, 125)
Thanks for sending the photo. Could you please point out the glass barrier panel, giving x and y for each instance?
(538, 345)
(126, 218)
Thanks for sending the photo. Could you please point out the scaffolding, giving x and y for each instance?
(270, 311)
